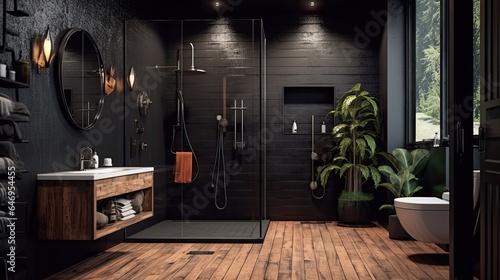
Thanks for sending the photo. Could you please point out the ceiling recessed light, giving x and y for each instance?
(217, 3)
(312, 3)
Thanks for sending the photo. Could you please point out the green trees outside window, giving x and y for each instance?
(427, 60)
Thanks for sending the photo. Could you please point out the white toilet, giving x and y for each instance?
(426, 219)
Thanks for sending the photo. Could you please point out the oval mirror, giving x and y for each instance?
(81, 77)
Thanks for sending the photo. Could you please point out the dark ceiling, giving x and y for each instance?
(203, 9)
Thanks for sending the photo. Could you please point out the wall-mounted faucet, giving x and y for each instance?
(138, 128)
(83, 160)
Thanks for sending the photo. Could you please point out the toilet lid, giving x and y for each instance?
(422, 203)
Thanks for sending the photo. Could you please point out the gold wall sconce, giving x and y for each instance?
(43, 51)
(110, 81)
(131, 78)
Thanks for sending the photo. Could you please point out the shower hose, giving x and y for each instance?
(186, 136)
(218, 180)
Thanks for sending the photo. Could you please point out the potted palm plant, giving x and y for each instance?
(353, 143)
(402, 181)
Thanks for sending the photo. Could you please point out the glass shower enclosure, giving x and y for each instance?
(203, 82)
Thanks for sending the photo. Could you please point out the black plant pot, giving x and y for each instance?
(354, 212)
(396, 230)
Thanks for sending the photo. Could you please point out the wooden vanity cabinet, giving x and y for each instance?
(67, 209)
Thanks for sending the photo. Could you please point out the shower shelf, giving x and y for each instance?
(300, 102)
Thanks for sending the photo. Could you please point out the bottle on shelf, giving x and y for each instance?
(3, 69)
(436, 140)
(95, 158)
(12, 73)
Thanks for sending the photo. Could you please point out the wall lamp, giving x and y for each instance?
(43, 49)
(131, 78)
(110, 81)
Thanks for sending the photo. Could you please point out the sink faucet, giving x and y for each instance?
(83, 159)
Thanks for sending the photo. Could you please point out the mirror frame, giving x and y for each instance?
(60, 68)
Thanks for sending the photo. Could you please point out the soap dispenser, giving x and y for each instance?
(95, 158)
(294, 127)
(436, 140)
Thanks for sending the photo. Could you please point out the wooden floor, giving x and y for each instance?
(291, 250)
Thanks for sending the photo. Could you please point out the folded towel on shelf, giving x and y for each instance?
(7, 149)
(121, 201)
(14, 110)
(137, 199)
(9, 130)
(8, 167)
(4, 224)
(183, 167)
(4, 190)
(3, 193)
(6, 106)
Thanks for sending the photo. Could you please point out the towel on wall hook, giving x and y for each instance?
(183, 167)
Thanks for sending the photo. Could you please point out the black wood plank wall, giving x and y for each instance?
(313, 51)
(308, 51)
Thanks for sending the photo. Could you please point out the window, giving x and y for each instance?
(477, 61)
(427, 59)
(427, 63)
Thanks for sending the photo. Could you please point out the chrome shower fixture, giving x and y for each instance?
(238, 144)
(191, 69)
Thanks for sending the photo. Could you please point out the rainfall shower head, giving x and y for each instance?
(189, 70)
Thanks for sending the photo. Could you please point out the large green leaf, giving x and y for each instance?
(375, 175)
(361, 147)
(389, 187)
(344, 146)
(365, 171)
(402, 179)
(386, 170)
(420, 159)
(371, 142)
(340, 127)
(408, 182)
(403, 157)
(344, 168)
(324, 174)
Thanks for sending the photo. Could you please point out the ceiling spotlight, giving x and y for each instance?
(312, 3)
(217, 4)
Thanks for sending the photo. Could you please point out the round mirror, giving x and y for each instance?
(81, 76)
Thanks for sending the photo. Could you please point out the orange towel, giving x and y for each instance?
(183, 167)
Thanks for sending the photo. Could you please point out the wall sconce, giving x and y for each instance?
(43, 48)
(131, 78)
(110, 82)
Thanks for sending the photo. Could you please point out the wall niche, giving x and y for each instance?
(300, 103)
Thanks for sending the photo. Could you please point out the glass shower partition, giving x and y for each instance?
(208, 77)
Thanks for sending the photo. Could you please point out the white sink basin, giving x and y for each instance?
(93, 174)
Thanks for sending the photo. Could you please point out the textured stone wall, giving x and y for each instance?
(53, 141)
